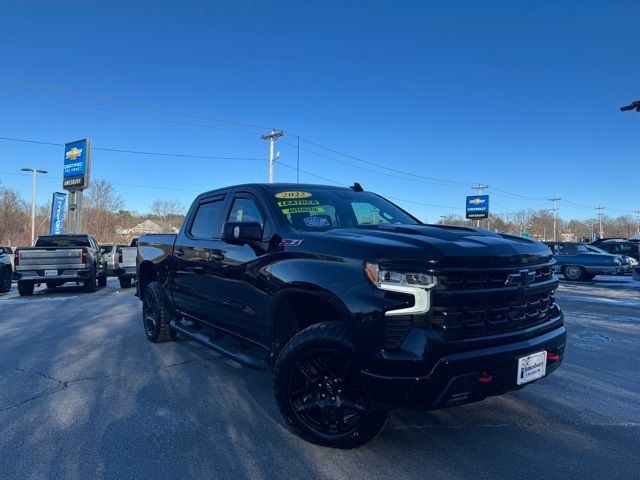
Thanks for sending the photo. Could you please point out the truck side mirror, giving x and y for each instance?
(241, 232)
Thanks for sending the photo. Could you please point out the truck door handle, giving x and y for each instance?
(179, 252)
(216, 256)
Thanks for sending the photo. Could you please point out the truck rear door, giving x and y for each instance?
(194, 257)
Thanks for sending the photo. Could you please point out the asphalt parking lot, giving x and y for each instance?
(84, 395)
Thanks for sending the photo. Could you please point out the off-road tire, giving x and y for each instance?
(321, 336)
(160, 331)
(102, 280)
(574, 273)
(125, 282)
(5, 280)
(51, 285)
(25, 289)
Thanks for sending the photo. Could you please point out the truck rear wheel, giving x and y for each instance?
(90, 285)
(319, 391)
(102, 281)
(125, 282)
(5, 280)
(25, 289)
(156, 318)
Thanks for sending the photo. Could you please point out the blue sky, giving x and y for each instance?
(522, 96)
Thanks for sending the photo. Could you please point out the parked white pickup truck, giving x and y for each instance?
(125, 263)
(58, 259)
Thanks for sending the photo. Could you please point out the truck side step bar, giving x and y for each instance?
(231, 351)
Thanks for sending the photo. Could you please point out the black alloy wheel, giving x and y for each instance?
(326, 392)
(319, 389)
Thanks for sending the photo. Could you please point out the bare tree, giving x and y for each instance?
(102, 205)
(14, 218)
(167, 212)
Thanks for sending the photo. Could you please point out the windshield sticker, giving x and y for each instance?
(287, 211)
(317, 221)
(288, 242)
(289, 203)
(293, 195)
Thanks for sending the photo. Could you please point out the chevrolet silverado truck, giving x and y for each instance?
(356, 305)
(125, 263)
(58, 259)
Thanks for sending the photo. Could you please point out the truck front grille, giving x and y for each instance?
(473, 304)
(492, 317)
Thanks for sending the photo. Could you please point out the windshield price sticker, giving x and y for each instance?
(293, 195)
(287, 211)
(289, 203)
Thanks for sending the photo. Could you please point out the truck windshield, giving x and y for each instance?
(63, 241)
(323, 209)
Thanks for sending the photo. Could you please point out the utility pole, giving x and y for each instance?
(442, 217)
(272, 137)
(600, 214)
(479, 188)
(637, 212)
(34, 172)
(554, 200)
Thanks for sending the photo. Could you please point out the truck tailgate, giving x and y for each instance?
(128, 257)
(49, 258)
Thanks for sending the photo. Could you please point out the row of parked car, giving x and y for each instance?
(58, 259)
(608, 256)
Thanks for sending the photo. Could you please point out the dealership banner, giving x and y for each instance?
(57, 213)
(77, 165)
(478, 206)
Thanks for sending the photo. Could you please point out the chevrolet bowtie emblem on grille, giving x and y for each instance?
(73, 153)
(522, 279)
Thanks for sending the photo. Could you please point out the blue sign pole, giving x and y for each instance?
(57, 213)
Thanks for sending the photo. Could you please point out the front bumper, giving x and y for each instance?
(454, 380)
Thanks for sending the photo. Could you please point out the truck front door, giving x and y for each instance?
(239, 283)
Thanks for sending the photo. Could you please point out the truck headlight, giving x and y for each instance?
(417, 284)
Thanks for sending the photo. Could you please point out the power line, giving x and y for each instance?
(132, 114)
(156, 187)
(139, 152)
(118, 101)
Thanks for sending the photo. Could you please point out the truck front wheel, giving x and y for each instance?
(155, 315)
(125, 282)
(318, 387)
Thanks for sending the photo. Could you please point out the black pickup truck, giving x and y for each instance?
(356, 305)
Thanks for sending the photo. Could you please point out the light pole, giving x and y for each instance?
(34, 172)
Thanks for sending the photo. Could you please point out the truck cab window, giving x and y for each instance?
(206, 223)
(245, 210)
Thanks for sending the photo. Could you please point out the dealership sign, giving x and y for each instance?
(478, 206)
(77, 165)
(57, 213)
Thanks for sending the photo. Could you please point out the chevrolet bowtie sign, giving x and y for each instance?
(77, 165)
(478, 206)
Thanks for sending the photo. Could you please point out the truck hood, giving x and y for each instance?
(439, 246)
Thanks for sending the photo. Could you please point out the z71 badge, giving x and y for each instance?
(288, 242)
